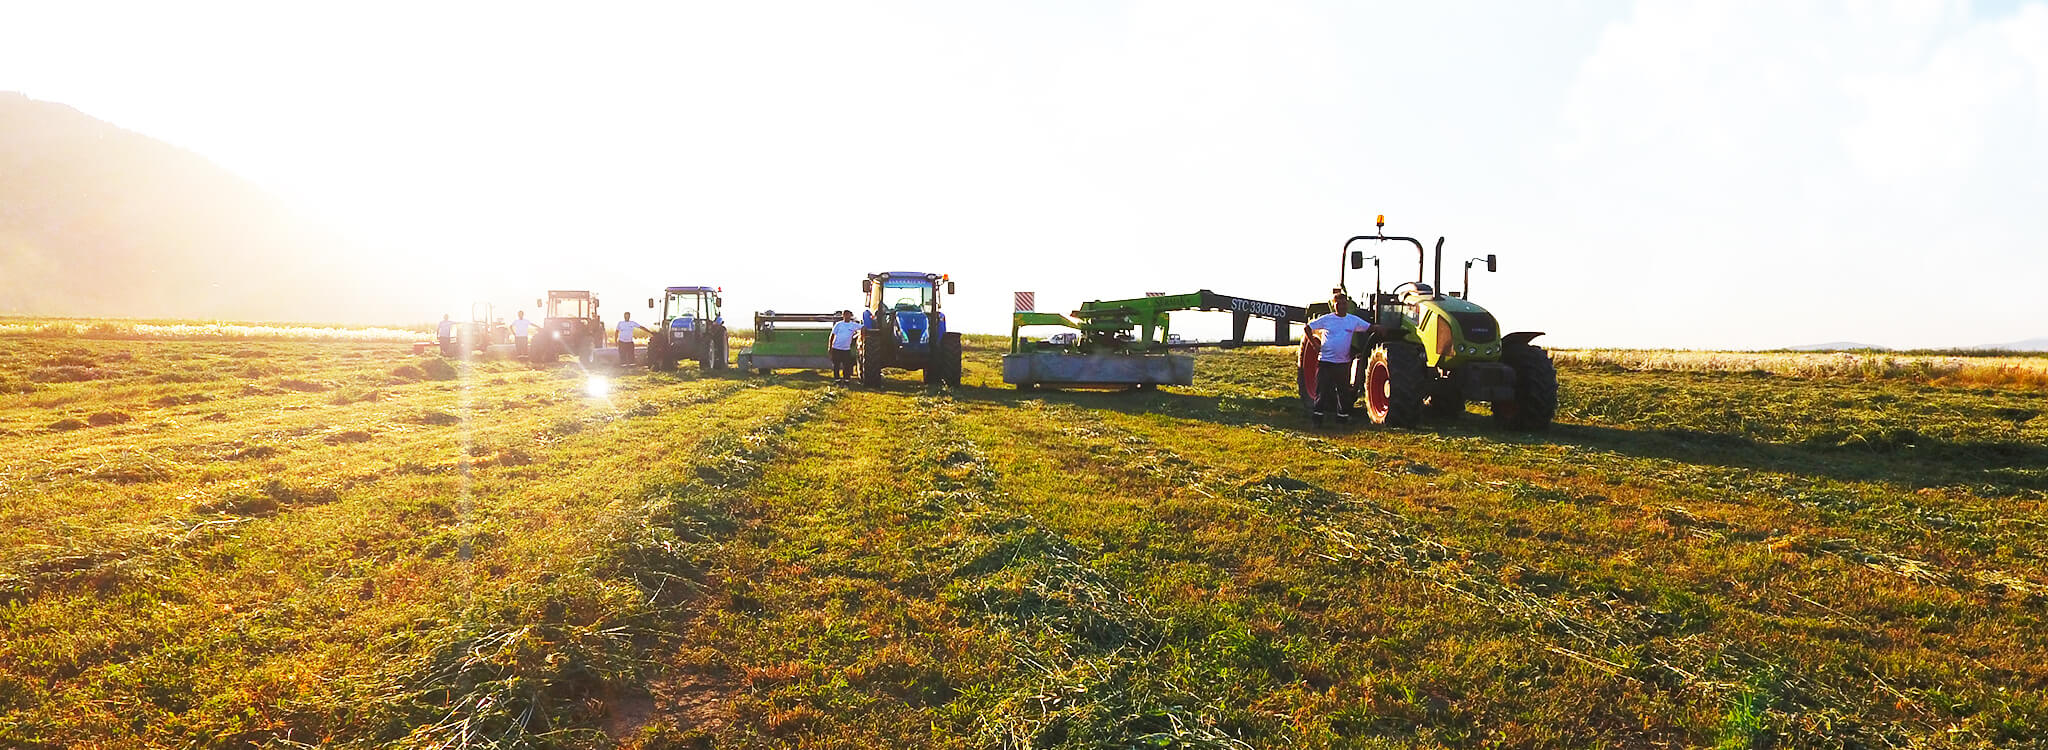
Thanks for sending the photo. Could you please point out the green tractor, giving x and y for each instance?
(1429, 353)
(692, 328)
(901, 327)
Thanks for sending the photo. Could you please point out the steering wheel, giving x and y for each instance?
(1396, 291)
(907, 302)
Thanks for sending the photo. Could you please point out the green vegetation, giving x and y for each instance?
(337, 543)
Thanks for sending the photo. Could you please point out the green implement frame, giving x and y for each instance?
(1141, 324)
(1126, 342)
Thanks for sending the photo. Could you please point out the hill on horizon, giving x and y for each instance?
(99, 221)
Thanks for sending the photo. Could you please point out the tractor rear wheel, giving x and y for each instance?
(1394, 381)
(1535, 401)
(718, 342)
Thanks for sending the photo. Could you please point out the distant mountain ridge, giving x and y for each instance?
(100, 221)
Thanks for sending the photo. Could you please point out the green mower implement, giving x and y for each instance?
(692, 328)
(902, 327)
(1429, 353)
(789, 341)
(1127, 342)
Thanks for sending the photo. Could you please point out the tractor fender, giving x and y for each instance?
(1519, 338)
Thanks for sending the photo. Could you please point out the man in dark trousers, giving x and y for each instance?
(843, 334)
(626, 330)
(1334, 331)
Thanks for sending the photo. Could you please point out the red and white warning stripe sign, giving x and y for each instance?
(1155, 294)
(1027, 301)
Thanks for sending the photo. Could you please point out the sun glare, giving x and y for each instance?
(598, 386)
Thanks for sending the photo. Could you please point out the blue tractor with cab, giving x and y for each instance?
(692, 328)
(903, 328)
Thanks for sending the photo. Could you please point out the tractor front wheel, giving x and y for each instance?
(1394, 380)
(949, 358)
(1535, 401)
(658, 358)
(870, 361)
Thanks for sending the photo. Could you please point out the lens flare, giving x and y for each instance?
(598, 386)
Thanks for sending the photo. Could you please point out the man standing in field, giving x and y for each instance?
(447, 337)
(520, 327)
(626, 330)
(843, 333)
(1334, 332)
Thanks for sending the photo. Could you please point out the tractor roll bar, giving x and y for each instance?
(1421, 256)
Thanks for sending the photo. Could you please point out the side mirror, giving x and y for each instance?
(1357, 259)
(949, 288)
(867, 286)
(1490, 265)
(650, 303)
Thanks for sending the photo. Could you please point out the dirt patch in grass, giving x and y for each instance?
(182, 399)
(303, 386)
(433, 417)
(65, 425)
(347, 436)
(253, 451)
(66, 374)
(102, 419)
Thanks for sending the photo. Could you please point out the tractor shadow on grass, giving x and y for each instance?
(1988, 467)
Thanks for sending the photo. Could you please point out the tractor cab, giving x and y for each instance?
(907, 303)
(684, 308)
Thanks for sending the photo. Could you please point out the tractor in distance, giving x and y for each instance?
(902, 327)
(692, 328)
(569, 326)
(1428, 353)
(483, 330)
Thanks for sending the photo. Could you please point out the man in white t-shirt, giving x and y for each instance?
(1334, 331)
(843, 334)
(447, 338)
(626, 330)
(521, 327)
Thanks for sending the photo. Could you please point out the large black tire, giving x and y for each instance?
(949, 355)
(658, 356)
(1396, 371)
(719, 342)
(870, 361)
(1535, 403)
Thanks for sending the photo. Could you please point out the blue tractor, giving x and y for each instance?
(692, 328)
(903, 328)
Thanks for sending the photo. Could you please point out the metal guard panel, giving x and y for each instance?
(1058, 369)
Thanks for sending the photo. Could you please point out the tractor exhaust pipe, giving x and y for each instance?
(1437, 286)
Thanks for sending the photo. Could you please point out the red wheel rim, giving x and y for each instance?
(1376, 391)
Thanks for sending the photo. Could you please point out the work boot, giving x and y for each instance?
(1316, 419)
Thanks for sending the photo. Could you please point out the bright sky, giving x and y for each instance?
(1725, 174)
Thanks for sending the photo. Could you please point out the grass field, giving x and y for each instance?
(234, 543)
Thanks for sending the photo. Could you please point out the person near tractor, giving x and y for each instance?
(447, 337)
(843, 333)
(1333, 333)
(520, 328)
(627, 329)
